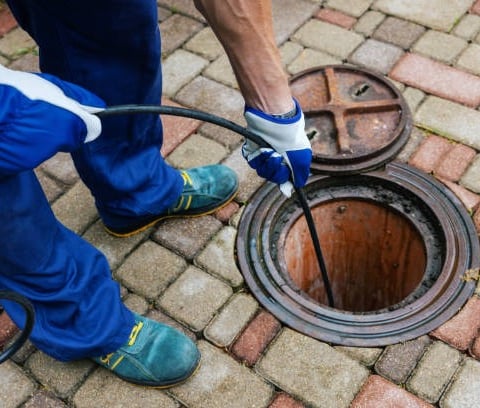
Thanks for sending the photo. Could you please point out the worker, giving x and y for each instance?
(95, 54)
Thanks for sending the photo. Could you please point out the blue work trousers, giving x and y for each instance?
(112, 48)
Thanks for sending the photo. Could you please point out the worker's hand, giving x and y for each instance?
(41, 115)
(289, 156)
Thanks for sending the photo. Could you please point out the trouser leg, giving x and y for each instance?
(78, 309)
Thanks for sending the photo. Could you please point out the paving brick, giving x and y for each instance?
(475, 7)
(222, 382)
(76, 209)
(194, 298)
(256, 337)
(28, 62)
(7, 21)
(440, 46)
(176, 30)
(434, 371)
(221, 71)
(195, 151)
(470, 179)
(218, 257)
(378, 392)
(376, 55)
(476, 221)
(286, 23)
(468, 27)
(368, 22)
(430, 153)
(225, 213)
(176, 129)
(16, 43)
(475, 348)
(61, 167)
(187, 236)
(186, 7)
(455, 162)
(15, 386)
(161, 317)
(398, 360)
(436, 78)
(61, 378)
(437, 14)
(150, 269)
(226, 326)
(416, 138)
(329, 38)
(283, 400)
(355, 8)
(454, 121)
(8, 329)
(44, 399)
(289, 51)
(413, 98)
(366, 355)
(464, 392)
(136, 303)
(179, 68)
(463, 327)
(399, 32)
(312, 371)
(103, 389)
(336, 17)
(470, 59)
(309, 58)
(205, 44)
(163, 13)
(470, 200)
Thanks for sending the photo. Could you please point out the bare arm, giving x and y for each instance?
(244, 27)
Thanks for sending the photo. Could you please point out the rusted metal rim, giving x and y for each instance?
(450, 241)
(357, 120)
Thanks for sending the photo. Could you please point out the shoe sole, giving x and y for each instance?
(164, 217)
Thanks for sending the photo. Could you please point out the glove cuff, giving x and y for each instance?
(284, 119)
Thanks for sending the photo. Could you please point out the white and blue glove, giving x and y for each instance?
(287, 161)
(41, 115)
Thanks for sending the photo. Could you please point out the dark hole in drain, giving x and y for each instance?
(375, 257)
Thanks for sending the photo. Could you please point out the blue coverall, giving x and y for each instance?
(112, 48)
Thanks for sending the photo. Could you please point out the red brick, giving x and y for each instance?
(470, 200)
(476, 220)
(455, 162)
(462, 329)
(438, 79)
(475, 348)
(256, 337)
(378, 392)
(283, 400)
(225, 213)
(7, 329)
(336, 17)
(176, 129)
(7, 22)
(476, 7)
(430, 152)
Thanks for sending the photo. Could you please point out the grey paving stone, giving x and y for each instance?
(163, 13)
(221, 71)
(179, 68)
(309, 58)
(470, 59)
(355, 8)
(60, 377)
(416, 137)
(44, 399)
(434, 371)
(218, 257)
(399, 32)
(197, 150)
(28, 62)
(440, 46)
(289, 51)
(235, 220)
(150, 269)
(76, 208)
(222, 382)
(398, 360)
(103, 389)
(312, 371)
(464, 392)
(413, 98)
(329, 38)
(437, 14)
(376, 55)
(15, 386)
(186, 7)
(115, 249)
(366, 355)
(194, 298)
(61, 167)
(50, 187)
(176, 30)
(25, 351)
(449, 119)
(471, 178)
(468, 27)
(16, 43)
(205, 44)
(368, 22)
(286, 23)
(187, 236)
(229, 322)
(136, 303)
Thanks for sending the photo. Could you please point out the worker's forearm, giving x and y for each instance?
(244, 27)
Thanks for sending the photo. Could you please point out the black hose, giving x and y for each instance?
(217, 120)
(29, 321)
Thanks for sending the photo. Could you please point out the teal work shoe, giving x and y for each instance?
(205, 190)
(155, 355)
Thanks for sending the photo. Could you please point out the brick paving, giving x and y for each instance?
(184, 272)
